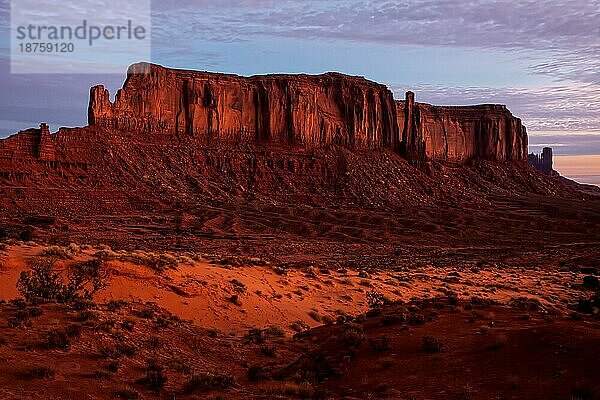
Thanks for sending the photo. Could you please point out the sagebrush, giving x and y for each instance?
(45, 283)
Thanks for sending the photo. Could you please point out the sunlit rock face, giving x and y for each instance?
(288, 109)
(460, 134)
(312, 111)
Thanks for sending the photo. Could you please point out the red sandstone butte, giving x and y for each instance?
(289, 109)
(460, 134)
(306, 110)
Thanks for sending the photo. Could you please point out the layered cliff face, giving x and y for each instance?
(460, 134)
(308, 110)
(312, 111)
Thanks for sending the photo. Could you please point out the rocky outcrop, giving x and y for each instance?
(542, 162)
(45, 149)
(460, 134)
(31, 143)
(301, 109)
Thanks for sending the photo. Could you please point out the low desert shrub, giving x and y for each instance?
(126, 350)
(162, 322)
(34, 312)
(213, 333)
(525, 303)
(105, 254)
(269, 351)
(311, 272)
(380, 344)
(73, 330)
(26, 235)
(314, 315)
(591, 282)
(393, 318)
(40, 372)
(74, 248)
(146, 313)
(128, 325)
(207, 382)
(18, 303)
(127, 393)
(431, 344)
(87, 316)
(256, 335)
(352, 335)
(56, 252)
(299, 326)
(157, 262)
(257, 373)
(275, 331)
(83, 304)
(102, 375)
(113, 366)
(15, 322)
(302, 390)
(155, 378)
(58, 339)
(117, 352)
(44, 282)
(375, 299)
(153, 342)
(238, 286)
(178, 365)
(416, 319)
(115, 305)
(22, 315)
(107, 326)
(235, 299)
(365, 282)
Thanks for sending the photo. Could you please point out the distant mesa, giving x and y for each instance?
(543, 162)
(305, 110)
(310, 111)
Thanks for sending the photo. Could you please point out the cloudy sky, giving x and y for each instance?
(540, 57)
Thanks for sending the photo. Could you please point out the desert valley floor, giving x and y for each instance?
(449, 282)
(336, 317)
